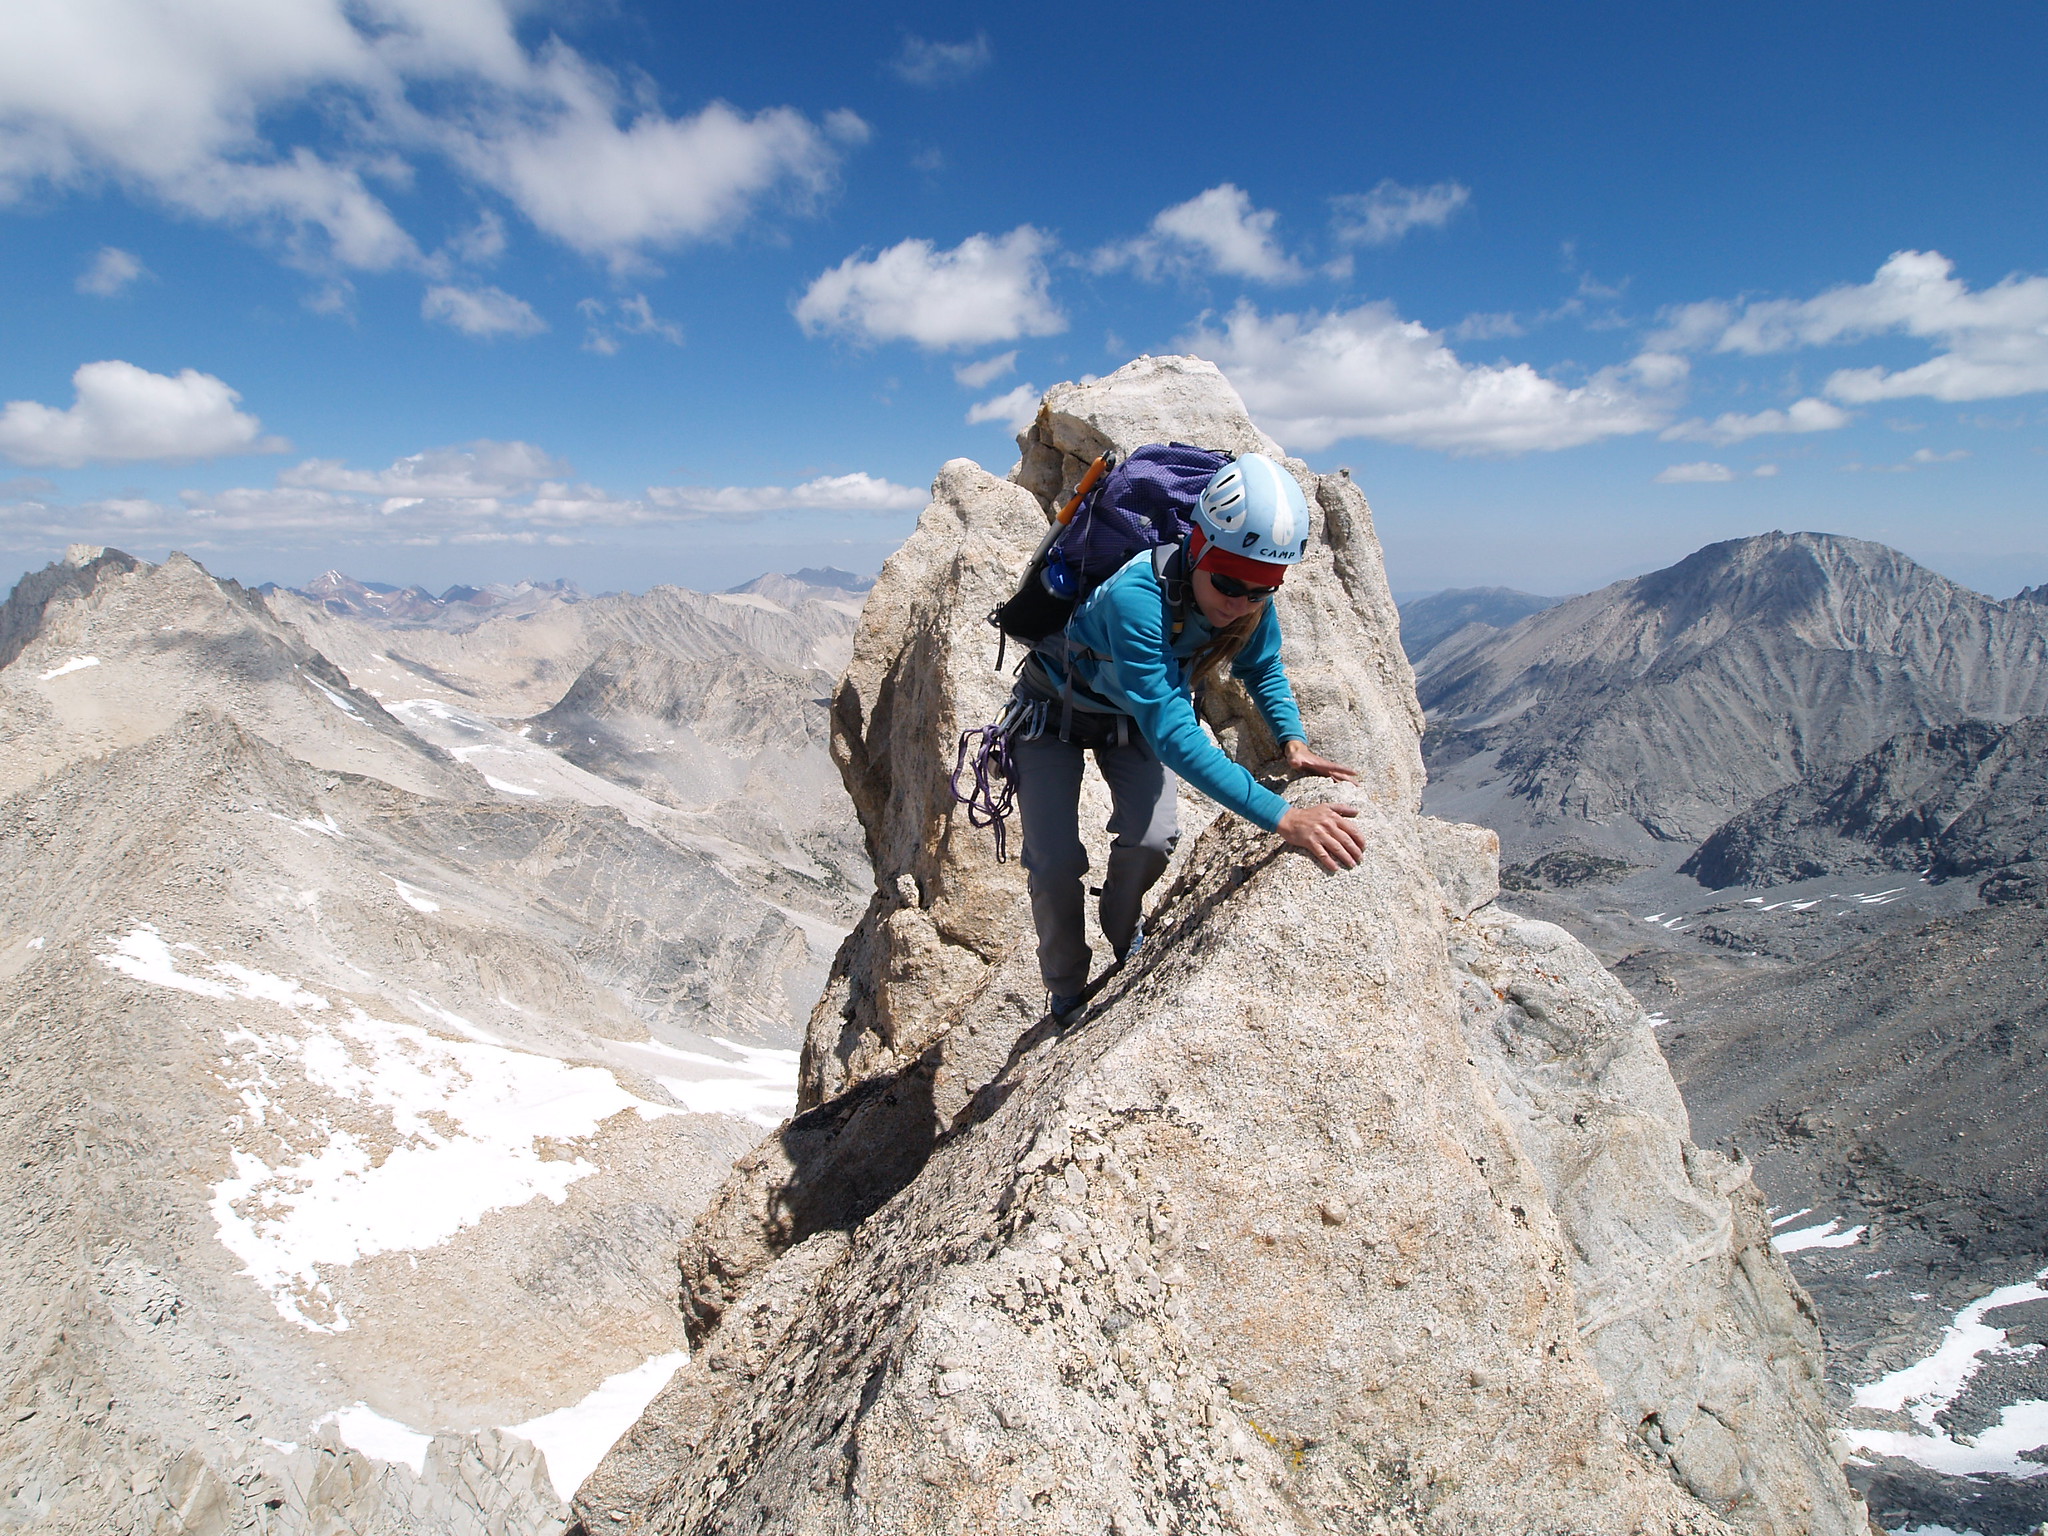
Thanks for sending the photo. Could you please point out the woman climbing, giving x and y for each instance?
(1121, 681)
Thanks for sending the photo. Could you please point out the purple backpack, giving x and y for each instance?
(1145, 501)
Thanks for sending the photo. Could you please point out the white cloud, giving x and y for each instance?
(110, 270)
(1016, 408)
(1314, 379)
(610, 190)
(1386, 213)
(1920, 458)
(165, 100)
(1689, 327)
(483, 469)
(1992, 342)
(1489, 327)
(481, 312)
(609, 323)
(857, 492)
(1696, 474)
(986, 289)
(930, 64)
(1808, 415)
(125, 413)
(482, 243)
(984, 373)
(478, 493)
(1659, 370)
(201, 106)
(1764, 471)
(1218, 230)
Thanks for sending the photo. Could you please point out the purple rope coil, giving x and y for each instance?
(984, 755)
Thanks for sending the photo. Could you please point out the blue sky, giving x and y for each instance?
(459, 290)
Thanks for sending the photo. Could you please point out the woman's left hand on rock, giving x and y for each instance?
(1301, 760)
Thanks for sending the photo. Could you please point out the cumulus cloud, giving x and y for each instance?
(857, 492)
(1808, 415)
(1390, 210)
(110, 270)
(609, 189)
(930, 64)
(476, 493)
(482, 469)
(984, 373)
(1489, 327)
(1920, 458)
(1990, 342)
(196, 106)
(988, 288)
(1218, 230)
(1016, 408)
(124, 413)
(609, 324)
(1702, 473)
(481, 312)
(1313, 379)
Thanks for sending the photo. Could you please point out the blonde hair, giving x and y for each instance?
(1229, 640)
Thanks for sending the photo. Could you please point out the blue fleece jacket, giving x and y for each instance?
(1123, 650)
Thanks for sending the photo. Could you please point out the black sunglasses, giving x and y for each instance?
(1230, 586)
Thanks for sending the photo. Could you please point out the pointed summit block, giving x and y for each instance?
(1357, 1205)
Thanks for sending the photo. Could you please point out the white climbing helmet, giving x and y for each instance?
(1253, 509)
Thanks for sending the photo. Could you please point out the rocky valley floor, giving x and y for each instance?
(364, 1067)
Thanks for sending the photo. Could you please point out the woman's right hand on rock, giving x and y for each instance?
(1326, 833)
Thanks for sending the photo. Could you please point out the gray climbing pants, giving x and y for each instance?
(1144, 826)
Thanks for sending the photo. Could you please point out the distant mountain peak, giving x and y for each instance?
(832, 576)
(1425, 621)
(829, 577)
(460, 606)
(1674, 699)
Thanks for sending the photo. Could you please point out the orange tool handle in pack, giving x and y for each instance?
(1095, 473)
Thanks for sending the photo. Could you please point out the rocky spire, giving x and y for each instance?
(1358, 1204)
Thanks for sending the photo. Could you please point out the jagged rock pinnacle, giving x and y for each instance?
(1359, 1204)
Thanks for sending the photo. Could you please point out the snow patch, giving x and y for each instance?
(144, 955)
(1923, 1389)
(574, 1439)
(760, 1086)
(505, 788)
(364, 1136)
(454, 1021)
(1826, 1235)
(363, 1428)
(75, 664)
(417, 899)
(339, 701)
